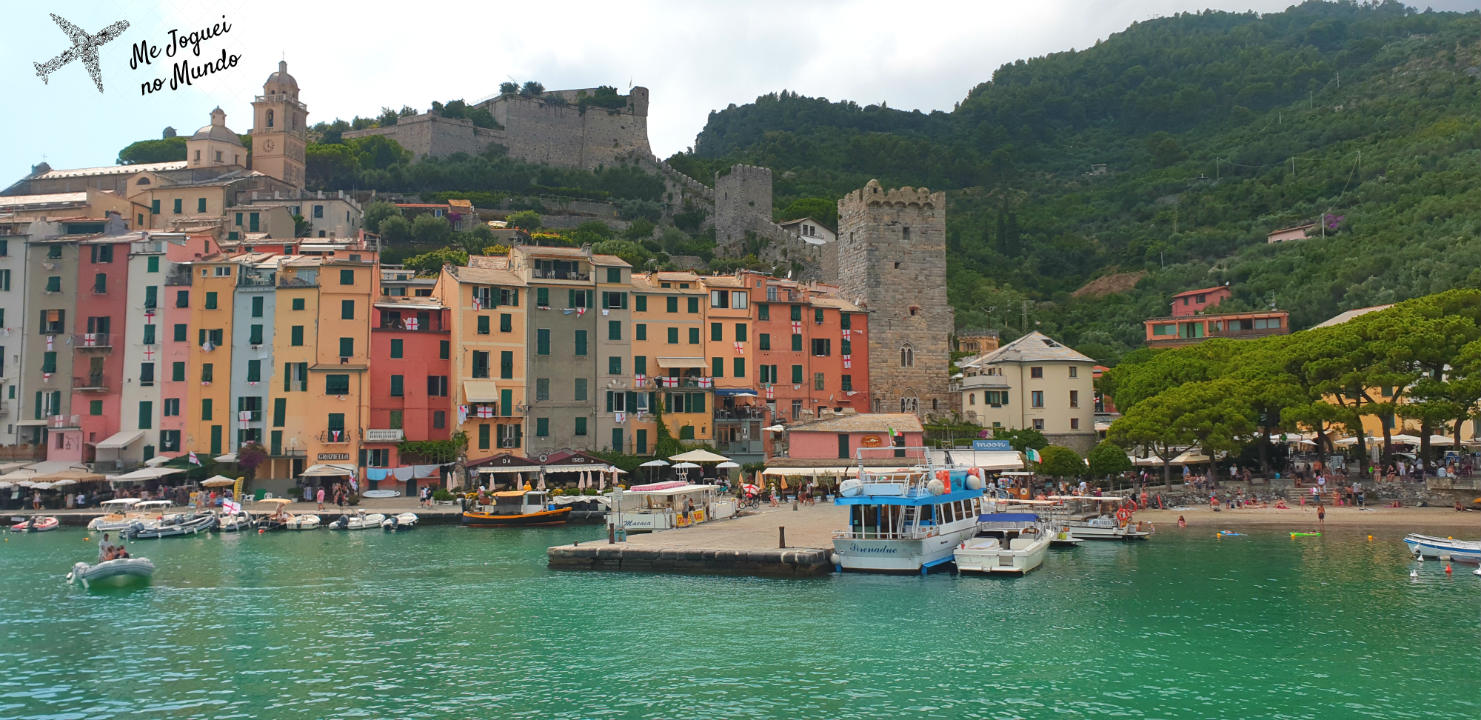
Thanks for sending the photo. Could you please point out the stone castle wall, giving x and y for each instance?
(891, 259)
(551, 129)
(435, 136)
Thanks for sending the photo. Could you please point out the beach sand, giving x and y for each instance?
(1409, 519)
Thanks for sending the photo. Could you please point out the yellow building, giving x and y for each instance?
(339, 376)
(487, 373)
(669, 329)
(295, 329)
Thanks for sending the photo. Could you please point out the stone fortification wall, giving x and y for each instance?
(742, 198)
(435, 136)
(891, 259)
(551, 129)
(555, 130)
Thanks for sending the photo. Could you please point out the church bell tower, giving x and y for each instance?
(280, 129)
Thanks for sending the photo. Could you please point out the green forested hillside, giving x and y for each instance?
(1213, 130)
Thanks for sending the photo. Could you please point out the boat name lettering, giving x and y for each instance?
(875, 550)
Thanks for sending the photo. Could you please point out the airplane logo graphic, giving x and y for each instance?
(84, 46)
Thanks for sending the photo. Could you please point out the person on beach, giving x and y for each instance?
(1321, 516)
(320, 497)
(1182, 523)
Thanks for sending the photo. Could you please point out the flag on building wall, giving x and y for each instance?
(740, 348)
(620, 416)
(149, 317)
(846, 332)
(412, 323)
(848, 361)
(705, 382)
(770, 392)
(51, 342)
(796, 327)
(485, 411)
(639, 379)
(193, 459)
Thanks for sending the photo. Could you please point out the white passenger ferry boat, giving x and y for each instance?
(906, 519)
(667, 505)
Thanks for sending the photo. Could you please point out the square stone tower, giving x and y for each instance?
(892, 261)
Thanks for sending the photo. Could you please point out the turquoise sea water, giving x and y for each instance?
(454, 622)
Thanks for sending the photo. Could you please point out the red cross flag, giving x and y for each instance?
(848, 361)
(412, 323)
(796, 327)
(740, 348)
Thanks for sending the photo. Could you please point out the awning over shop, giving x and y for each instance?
(227, 458)
(735, 392)
(142, 474)
(120, 440)
(575, 468)
(480, 391)
(328, 471)
(838, 471)
(670, 363)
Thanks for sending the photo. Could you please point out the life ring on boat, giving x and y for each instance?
(1123, 516)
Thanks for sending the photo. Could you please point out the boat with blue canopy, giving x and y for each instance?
(906, 519)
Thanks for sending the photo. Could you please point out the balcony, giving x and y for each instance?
(261, 283)
(739, 415)
(297, 282)
(90, 383)
(544, 274)
(335, 437)
(92, 341)
(411, 325)
(178, 276)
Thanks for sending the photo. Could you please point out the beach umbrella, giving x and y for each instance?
(727, 465)
(1441, 440)
(64, 482)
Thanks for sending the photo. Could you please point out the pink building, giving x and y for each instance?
(1193, 302)
(838, 438)
(173, 344)
(97, 365)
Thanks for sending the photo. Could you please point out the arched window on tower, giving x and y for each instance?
(907, 356)
(269, 118)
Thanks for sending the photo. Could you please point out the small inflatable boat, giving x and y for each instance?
(122, 571)
(36, 523)
(404, 521)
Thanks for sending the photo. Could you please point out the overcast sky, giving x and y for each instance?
(694, 57)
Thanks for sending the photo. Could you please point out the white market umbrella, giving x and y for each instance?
(64, 482)
(686, 466)
(1404, 439)
(655, 463)
(698, 456)
(1441, 440)
(728, 465)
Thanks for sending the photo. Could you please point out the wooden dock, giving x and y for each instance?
(769, 542)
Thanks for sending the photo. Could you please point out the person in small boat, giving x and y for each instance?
(105, 549)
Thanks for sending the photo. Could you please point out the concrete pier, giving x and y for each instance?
(747, 545)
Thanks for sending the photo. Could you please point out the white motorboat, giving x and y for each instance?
(1100, 526)
(118, 572)
(234, 522)
(302, 522)
(1011, 543)
(358, 521)
(170, 526)
(906, 519)
(1429, 546)
(403, 521)
(664, 506)
(118, 514)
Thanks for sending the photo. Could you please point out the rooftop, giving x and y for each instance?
(486, 276)
(863, 422)
(114, 170)
(1033, 347)
(1343, 317)
(15, 202)
(1202, 290)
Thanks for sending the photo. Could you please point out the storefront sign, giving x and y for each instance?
(870, 441)
(385, 436)
(334, 456)
(1001, 445)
